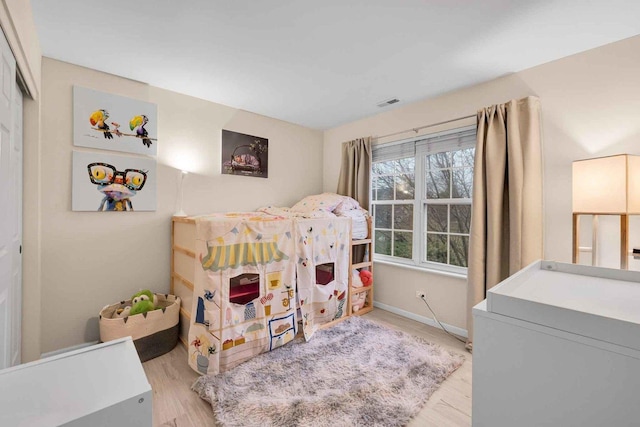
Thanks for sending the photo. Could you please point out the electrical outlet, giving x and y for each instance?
(420, 294)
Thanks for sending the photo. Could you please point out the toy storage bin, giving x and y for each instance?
(154, 333)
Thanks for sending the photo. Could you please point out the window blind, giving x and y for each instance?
(463, 138)
(393, 151)
(450, 140)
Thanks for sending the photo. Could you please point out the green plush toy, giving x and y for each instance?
(142, 302)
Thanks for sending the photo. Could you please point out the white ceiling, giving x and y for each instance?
(323, 63)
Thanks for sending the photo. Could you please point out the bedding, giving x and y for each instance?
(325, 201)
(326, 205)
(347, 204)
(288, 213)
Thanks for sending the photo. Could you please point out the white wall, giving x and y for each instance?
(92, 259)
(17, 23)
(590, 108)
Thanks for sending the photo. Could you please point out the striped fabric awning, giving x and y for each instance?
(241, 254)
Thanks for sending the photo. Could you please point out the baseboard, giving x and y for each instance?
(64, 350)
(422, 319)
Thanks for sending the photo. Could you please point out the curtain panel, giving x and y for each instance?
(355, 171)
(507, 217)
(355, 179)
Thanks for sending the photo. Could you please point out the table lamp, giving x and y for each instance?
(606, 186)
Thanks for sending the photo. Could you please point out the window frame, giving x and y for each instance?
(424, 145)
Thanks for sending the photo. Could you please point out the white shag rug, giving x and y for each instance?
(356, 373)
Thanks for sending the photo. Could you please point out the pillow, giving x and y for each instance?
(325, 202)
(347, 204)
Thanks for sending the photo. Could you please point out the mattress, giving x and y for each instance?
(358, 223)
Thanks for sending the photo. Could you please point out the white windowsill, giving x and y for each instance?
(422, 269)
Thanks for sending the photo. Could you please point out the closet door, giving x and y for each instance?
(10, 212)
(16, 230)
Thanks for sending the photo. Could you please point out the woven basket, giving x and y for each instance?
(154, 333)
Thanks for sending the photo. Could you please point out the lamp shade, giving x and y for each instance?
(607, 185)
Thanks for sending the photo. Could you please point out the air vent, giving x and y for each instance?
(388, 102)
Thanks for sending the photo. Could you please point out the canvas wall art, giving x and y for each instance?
(112, 122)
(244, 154)
(107, 182)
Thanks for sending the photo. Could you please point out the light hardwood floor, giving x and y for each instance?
(174, 404)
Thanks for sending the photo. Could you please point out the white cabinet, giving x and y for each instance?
(558, 345)
(102, 385)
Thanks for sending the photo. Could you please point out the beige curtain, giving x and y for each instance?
(506, 218)
(356, 170)
(355, 178)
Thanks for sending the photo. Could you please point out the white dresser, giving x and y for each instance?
(101, 385)
(558, 345)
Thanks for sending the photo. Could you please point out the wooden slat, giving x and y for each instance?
(184, 219)
(184, 250)
(362, 264)
(186, 283)
(360, 242)
(360, 290)
(600, 213)
(363, 310)
(185, 313)
(184, 342)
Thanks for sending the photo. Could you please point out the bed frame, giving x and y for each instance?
(183, 238)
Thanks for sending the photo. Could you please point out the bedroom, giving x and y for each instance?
(589, 105)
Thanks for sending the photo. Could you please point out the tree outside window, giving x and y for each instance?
(422, 202)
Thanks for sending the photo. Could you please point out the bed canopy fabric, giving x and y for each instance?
(242, 254)
(252, 272)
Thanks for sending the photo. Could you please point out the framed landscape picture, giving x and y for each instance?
(243, 154)
(111, 122)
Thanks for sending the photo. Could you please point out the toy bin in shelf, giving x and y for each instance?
(154, 333)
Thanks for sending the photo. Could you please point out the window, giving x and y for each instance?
(393, 196)
(421, 200)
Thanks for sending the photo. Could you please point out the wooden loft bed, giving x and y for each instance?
(183, 256)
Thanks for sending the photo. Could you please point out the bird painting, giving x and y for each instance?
(138, 123)
(99, 119)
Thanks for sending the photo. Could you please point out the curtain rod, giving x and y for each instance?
(416, 130)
